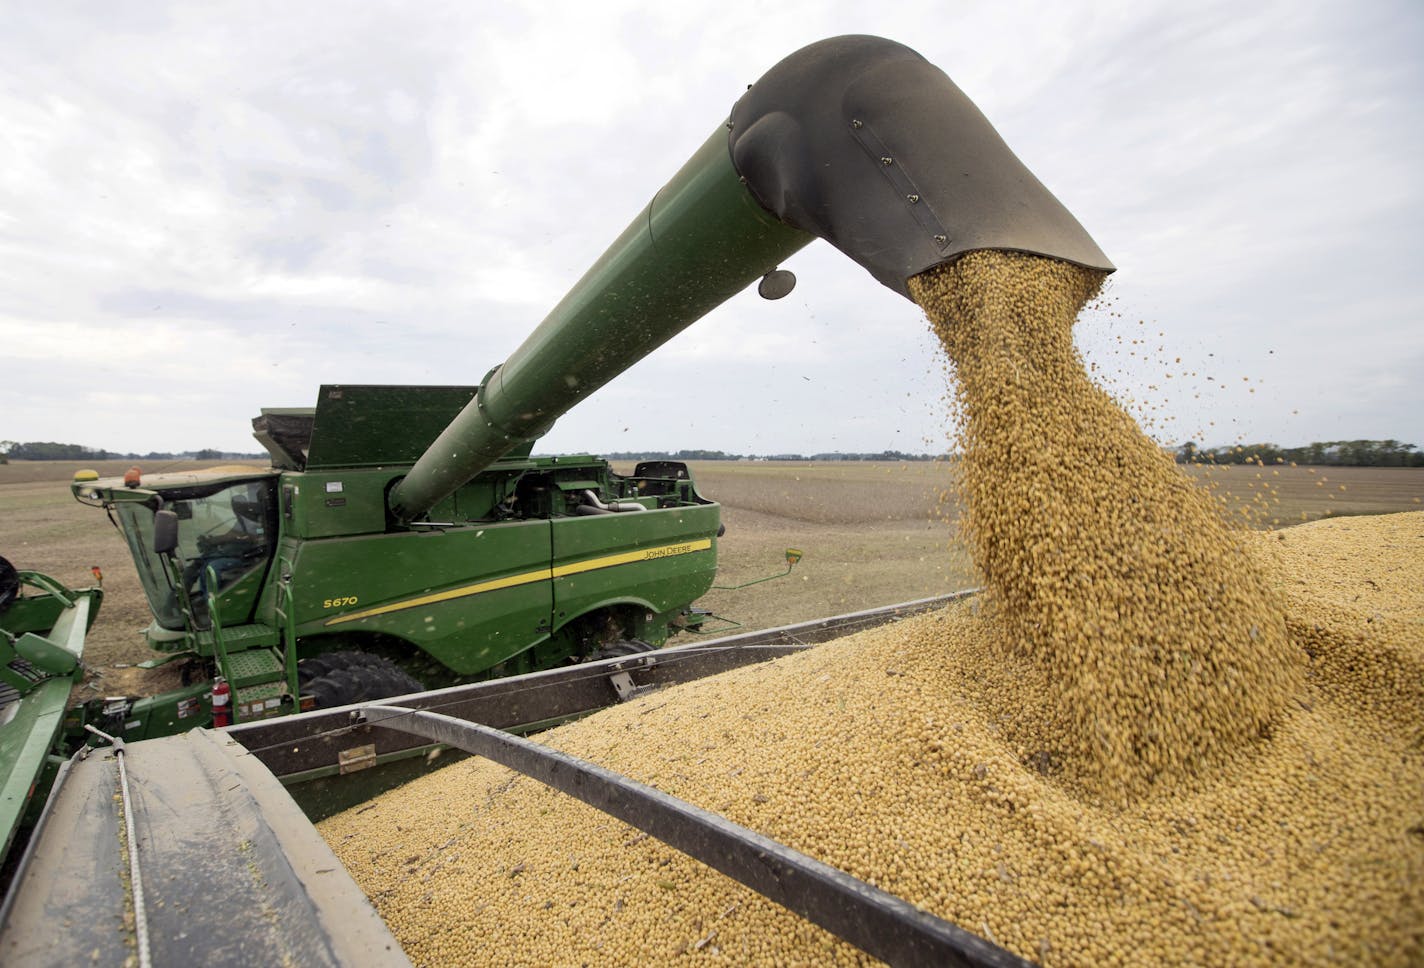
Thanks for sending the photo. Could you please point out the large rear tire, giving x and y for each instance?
(342, 678)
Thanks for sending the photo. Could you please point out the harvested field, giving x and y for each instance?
(873, 534)
(879, 533)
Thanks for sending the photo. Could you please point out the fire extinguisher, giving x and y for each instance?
(222, 703)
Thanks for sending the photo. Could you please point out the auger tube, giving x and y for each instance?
(857, 140)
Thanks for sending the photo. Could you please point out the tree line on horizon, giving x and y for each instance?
(1332, 453)
(50, 450)
(1328, 453)
(684, 455)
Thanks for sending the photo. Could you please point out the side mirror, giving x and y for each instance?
(165, 532)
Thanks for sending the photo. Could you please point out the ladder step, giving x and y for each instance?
(241, 637)
(255, 667)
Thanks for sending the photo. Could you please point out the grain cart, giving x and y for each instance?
(192, 849)
(413, 524)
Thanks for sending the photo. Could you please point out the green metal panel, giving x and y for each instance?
(700, 241)
(365, 426)
(30, 724)
(32, 614)
(176, 711)
(660, 560)
(332, 503)
(25, 741)
(470, 597)
(44, 655)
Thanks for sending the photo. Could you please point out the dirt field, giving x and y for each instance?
(871, 533)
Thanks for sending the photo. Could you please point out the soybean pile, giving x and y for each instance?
(1270, 813)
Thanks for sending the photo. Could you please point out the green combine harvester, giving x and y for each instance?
(300, 587)
(405, 536)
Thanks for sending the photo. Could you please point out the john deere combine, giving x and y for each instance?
(411, 525)
(302, 581)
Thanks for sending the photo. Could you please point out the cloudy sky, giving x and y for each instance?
(210, 208)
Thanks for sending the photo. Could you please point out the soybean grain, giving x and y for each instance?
(1082, 765)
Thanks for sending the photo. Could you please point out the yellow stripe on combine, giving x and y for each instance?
(628, 557)
(543, 574)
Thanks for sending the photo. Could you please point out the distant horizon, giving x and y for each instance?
(636, 453)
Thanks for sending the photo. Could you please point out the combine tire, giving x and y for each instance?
(342, 678)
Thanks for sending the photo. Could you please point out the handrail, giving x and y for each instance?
(216, 627)
(49, 586)
(287, 627)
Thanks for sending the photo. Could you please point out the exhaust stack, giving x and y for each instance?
(857, 140)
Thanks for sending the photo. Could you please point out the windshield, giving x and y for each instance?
(231, 530)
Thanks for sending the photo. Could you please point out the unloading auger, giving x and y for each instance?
(857, 140)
